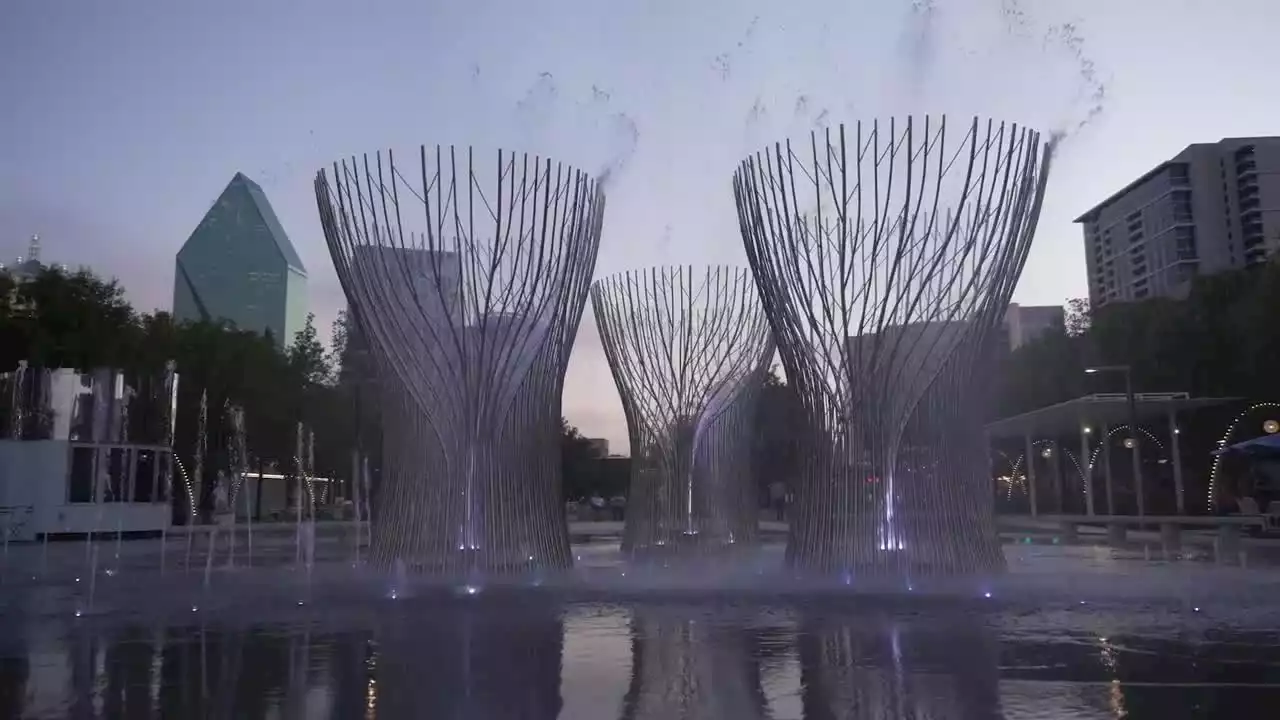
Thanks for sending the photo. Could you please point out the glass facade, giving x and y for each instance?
(239, 267)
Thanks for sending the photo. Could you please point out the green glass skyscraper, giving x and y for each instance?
(239, 267)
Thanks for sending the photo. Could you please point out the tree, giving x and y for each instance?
(1077, 317)
(580, 467)
(1217, 341)
(307, 357)
(775, 449)
(56, 319)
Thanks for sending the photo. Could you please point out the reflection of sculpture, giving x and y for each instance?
(472, 661)
(879, 668)
(686, 669)
(470, 299)
(880, 255)
(687, 349)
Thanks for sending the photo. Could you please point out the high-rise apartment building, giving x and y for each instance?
(238, 266)
(1212, 207)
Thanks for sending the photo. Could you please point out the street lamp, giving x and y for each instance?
(1132, 440)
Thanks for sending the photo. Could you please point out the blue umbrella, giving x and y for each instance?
(1265, 446)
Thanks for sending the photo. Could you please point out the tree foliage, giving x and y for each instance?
(1217, 341)
(774, 452)
(78, 320)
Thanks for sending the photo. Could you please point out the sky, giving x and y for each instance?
(121, 122)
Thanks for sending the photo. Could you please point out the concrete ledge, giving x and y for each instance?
(1116, 533)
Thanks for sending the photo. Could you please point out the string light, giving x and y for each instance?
(191, 498)
(1225, 440)
(1046, 453)
(1093, 458)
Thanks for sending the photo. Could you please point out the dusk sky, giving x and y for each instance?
(120, 122)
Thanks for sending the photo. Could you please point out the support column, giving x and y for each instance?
(1175, 437)
(1136, 454)
(1028, 452)
(1088, 471)
(1055, 455)
(1106, 469)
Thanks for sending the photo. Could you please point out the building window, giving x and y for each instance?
(80, 480)
(144, 476)
(164, 477)
(117, 475)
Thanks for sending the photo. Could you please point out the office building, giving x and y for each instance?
(1024, 323)
(598, 447)
(1210, 208)
(239, 267)
(24, 269)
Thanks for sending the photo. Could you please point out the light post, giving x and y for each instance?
(1133, 428)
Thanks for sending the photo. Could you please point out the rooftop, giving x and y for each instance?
(1110, 409)
(242, 191)
(1180, 157)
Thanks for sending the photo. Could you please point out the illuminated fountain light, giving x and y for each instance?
(1227, 437)
(1047, 453)
(469, 302)
(881, 295)
(688, 349)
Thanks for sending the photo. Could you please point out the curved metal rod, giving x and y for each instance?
(688, 349)
(885, 254)
(468, 278)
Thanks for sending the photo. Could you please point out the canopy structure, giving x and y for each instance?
(1090, 417)
(1091, 411)
(1265, 446)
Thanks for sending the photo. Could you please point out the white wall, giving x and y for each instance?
(34, 474)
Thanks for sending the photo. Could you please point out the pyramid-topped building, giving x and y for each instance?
(239, 267)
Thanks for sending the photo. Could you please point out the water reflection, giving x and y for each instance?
(477, 660)
(524, 657)
(877, 667)
(687, 665)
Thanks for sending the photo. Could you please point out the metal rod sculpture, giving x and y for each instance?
(470, 300)
(688, 349)
(883, 251)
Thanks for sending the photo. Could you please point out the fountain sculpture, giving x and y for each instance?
(688, 349)
(467, 277)
(885, 253)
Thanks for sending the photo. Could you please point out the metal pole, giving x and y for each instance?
(1088, 471)
(1106, 469)
(1133, 433)
(1055, 455)
(1031, 473)
(1177, 462)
